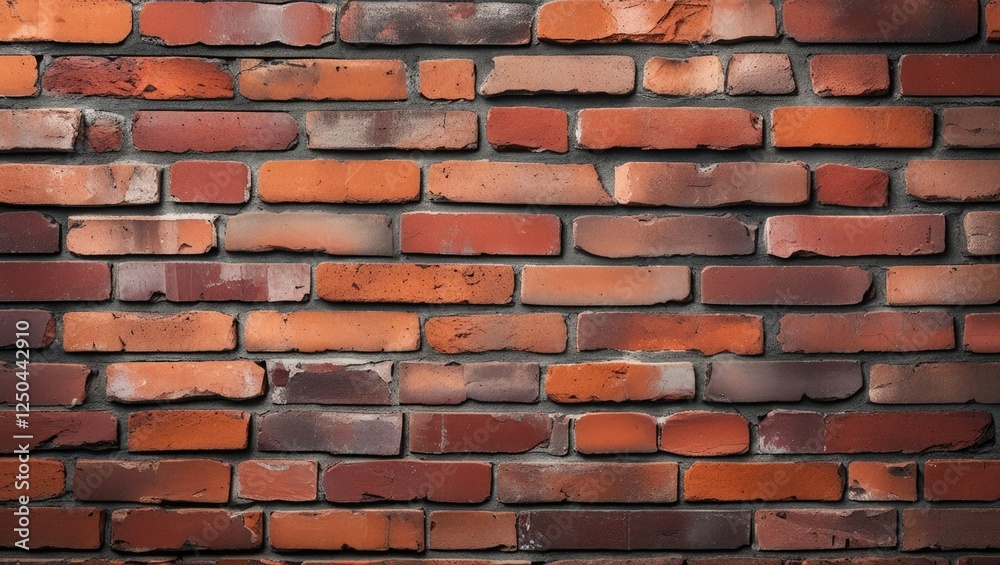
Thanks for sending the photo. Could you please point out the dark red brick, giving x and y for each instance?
(819, 529)
(28, 232)
(178, 131)
(332, 382)
(798, 285)
(45, 281)
(879, 21)
(962, 480)
(669, 128)
(950, 74)
(80, 529)
(457, 432)
(212, 282)
(662, 236)
(41, 328)
(152, 482)
(408, 480)
(52, 384)
(439, 233)
(141, 530)
(210, 182)
(844, 185)
(525, 483)
(950, 528)
(336, 433)
(77, 430)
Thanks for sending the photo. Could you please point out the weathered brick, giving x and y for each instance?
(875, 481)
(55, 528)
(525, 483)
(54, 281)
(277, 479)
(841, 74)
(669, 128)
(691, 185)
(322, 79)
(706, 333)
(447, 79)
(105, 132)
(826, 528)
(982, 232)
(934, 383)
(607, 21)
(697, 433)
(855, 236)
(66, 21)
(140, 530)
(182, 131)
(516, 183)
(921, 285)
(180, 234)
(52, 384)
(454, 383)
(884, 127)
(466, 432)
(152, 482)
(331, 331)
(792, 285)
(981, 333)
(426, 130)
(188, 430)
(76, 430)
(148, 331)
(415, 283)
(39, 129)
(299, 24)
(782, 381)
(41, 328)
(661, 236)
(209, 282)
(439, 233)
(949, 74)
(464, 482)
(158, 381)
(330, 233)
(962, 480)
(560, 74)
(210, 182)
(845, 185)
(47, 478)
(692, 76)
(619, 381)
(524, 128)
(973, 127)
(330, 382)
(471, 529)
(949, 528)
(879, 21)
(867, 331)
(150, 78)
(352, 182)
(759, 73)
(337, 530)
(742, 482)
(79, 185)
(337, 433)
(954, 180)
(791, 431)
(536, 333)
(591, 285)
(20, 74)
(435, 23)
(615, 432)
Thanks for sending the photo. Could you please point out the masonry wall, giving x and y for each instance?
(587, 280)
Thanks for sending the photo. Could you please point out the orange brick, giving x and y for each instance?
(151, 78)
(415, 284)
(849, 75)
(615, 432)
(516, 183)
(622, 381)
(158, 381)
(20, 74)
(741, 482)
(275, 479)
(361, 530)
(332, 331)
(875, 481)
(572, 285)
(66, 21)
(471, 529)
(148, 332)
(186, 430)
(299, 24)
(884, 127)
(448, 79)
(322, 79)
(669, 128)
(538, 333)
(693, 76)
(79, 185)
(524, 128)
(353, 182)
(699, 434)
(181, 234)
(708, 333)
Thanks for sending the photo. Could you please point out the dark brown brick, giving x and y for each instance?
(879, 21)
(818, 529)
(457, 432)
(41, 328)
(140, 530)
(798, 285)
(28, 232)
(436, 23)
(152, 482)
(661, 236)
(976, 127)
(336, 433)
(408, 480)
(950, 528)
(52, 384)
(332, 382)
(935, 383)
(77, 430)
(782, 381)
(523, 483)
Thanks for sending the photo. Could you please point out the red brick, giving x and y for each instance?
(619, 381)
(591, 285)
(520, 483)
(867, 331)
(782, 381)
(152, 482)
(20, 74)
(950, 528)
(744, 482)
(961, 480)
(844, 185)
(458, 23)
(337, 530)
(336, 433)
(210, 182)
(178, 131)
(188, 430)
(921, 285)
(150, 78)
(148, 331)
(54, 281)
(52, 384)
(299, 24)
(953, 180)
(458, 432)
(982, 236)
(66, 21)
(992, 19)
(470, 529)
(560, 74)
(331, 331)
(438, 233)
(210, 282)
(46, 478)
(536, 333)
(140, 530)
(791, 285)
(55, 528)
(840, 74)
(415, 283)
(875, 481)
(524, 128)
(661, 236)
(352, 182)
(454, 383)
(516, 183)
(426, 130)
(879, 21)
(105, 132)
(982, 333)
(334, 382)
(704, 434)
(276, 479)
(691, 185)
(322, 79)
(950, 74)
(41, 328)
(692, 76)
(825, 529)
(403, 481)
(759, 73)
(706, 333)
(448, 79)
(607, 21)
(615, 432)
(855, 236)
(789, 431)
(669, 128)
(79, 185)
(886, 127)
(39, 129)
(330, 233)
(158, 381)
(973, 127)
(180, 234)
(934, 383)
(77, 430)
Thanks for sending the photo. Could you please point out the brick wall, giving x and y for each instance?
(585, 280)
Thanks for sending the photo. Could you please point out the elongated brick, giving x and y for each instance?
(436, 23)
(324, 180)
(516, 183)
(661, 236)
(428, 130)
(79, 185)
(690, 185)
(560, 74)
(707, 333)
